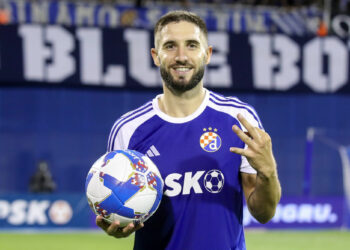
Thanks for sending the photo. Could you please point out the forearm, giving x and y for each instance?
(263, 201)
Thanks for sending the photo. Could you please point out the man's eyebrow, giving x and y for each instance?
(168, 42)
(192, 41)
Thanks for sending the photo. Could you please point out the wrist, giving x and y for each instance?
(267, 174)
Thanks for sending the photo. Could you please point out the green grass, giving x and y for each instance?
(62, 241)
(298, 240)
(256, 240)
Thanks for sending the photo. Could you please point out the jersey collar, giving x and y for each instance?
(188, 118)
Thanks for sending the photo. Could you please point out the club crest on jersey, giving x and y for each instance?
(210, 141)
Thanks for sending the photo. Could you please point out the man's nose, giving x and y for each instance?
(181, 55)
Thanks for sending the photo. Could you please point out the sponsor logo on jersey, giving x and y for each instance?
(189, 182)
(210, 141)
(214, 181)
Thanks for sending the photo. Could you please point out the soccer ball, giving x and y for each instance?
(214, 181)
(124, 185)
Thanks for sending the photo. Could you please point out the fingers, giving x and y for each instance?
(253, 137)
(127, 230)
(130, 228)
(102, 223)
(139, 226)
(243, 136)
(114, 229)
(239, 151)
(251, 130)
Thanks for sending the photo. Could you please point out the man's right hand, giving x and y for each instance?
(113, 229)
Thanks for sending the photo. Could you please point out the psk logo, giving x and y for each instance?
(210, 141)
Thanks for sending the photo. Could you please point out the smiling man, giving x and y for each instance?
(211, 150)
(180, 54)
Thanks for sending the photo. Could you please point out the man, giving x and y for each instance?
(190, 129)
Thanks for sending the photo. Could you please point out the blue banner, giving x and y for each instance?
(53, 211)
(304, 213)
(121, 58)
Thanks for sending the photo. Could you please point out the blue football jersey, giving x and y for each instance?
(202, 205)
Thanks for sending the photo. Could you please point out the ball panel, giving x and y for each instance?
(142, 203)
(152, 167)
(96, 189)
(155, 182)
(119, 167)
(135, 159)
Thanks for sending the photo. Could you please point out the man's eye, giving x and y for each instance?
(192, 45)
(169, 46)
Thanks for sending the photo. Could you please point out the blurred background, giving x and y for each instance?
(69, 69)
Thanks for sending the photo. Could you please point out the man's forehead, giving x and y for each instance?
(180, 31)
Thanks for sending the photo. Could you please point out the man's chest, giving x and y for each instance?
(187, 156)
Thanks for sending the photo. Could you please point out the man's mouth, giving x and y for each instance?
(182, 69)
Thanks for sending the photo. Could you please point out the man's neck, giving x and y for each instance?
(181, 105)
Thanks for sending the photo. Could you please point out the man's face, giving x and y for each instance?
(181, 54)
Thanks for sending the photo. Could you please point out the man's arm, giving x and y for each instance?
(263, 190)
(262, 195)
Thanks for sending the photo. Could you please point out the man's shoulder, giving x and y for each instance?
(124, 127)
(232, 106)
(146, 107)
(228, 101)
(135, 117)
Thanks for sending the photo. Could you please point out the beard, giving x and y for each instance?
(178, 86)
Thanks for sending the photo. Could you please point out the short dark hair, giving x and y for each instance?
(178, 16)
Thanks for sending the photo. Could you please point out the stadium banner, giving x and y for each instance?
(121, 58)
(239, 18)
(43, 211)
(63, 211)
(304, 213)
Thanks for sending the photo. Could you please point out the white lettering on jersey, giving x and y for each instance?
(170, 181)
(192, 182)
(174, 185)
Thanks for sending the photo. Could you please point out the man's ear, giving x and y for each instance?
(155, 57)
(209, 52)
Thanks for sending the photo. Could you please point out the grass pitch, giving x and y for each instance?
(256, 240)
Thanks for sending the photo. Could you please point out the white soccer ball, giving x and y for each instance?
(124, 185)
(214, 181)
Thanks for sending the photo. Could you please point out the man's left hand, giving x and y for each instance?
(259, 147)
